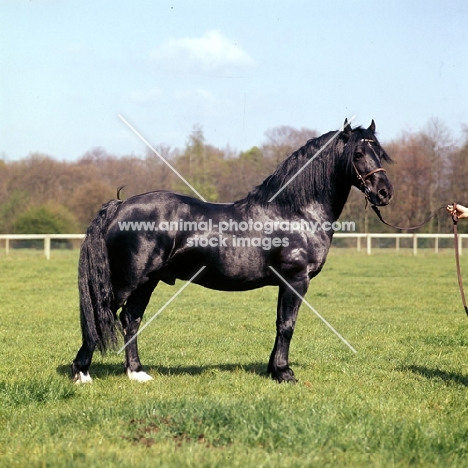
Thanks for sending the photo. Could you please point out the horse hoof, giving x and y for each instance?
(285, 376)
(139, 376)
(289, 379)
(81, 378)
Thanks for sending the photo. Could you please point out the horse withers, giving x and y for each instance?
(282, 228)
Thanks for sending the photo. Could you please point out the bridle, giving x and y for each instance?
(362, 178)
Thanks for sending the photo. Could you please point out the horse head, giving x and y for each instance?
(367, 156)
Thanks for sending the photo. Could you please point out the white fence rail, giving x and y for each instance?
(47, 238)
(415, 237)
(367, 238)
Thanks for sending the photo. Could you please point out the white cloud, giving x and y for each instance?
(210, 52)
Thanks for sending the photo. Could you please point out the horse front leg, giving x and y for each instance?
(288, 308)
(131, 315)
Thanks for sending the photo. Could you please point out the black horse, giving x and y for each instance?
(282, 228)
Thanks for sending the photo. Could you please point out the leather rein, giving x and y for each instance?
(365, 189)
(455, 241)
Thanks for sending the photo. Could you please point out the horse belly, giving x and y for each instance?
(227, 269)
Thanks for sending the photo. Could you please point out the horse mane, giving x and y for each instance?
(317, 182)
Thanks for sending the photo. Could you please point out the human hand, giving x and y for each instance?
(461, 211)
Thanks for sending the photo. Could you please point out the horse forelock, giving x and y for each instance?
(359, 133)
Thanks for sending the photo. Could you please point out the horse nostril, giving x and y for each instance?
(383, 193)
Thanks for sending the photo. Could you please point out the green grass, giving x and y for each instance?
(402, 400)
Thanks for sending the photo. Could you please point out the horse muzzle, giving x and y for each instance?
(382, 193)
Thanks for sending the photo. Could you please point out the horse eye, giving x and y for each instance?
(358, 155)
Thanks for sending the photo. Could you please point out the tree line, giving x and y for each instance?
(39, 194)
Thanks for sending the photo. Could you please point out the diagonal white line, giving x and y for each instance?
(161, 309)
(311, 159)
(313, 310)
(161, 157)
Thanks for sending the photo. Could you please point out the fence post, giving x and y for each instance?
(358, 243)
(436, 245)
(415, 245)
(7, 247)
(368, 244)
(47, 247)
(397, 243)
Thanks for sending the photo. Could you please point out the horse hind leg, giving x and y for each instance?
(131, 315)
(80, 366)
(82, 361)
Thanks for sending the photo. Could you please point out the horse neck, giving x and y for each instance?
(320, 184)
(334, 197)
(331, 190)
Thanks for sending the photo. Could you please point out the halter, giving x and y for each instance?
(362, 178)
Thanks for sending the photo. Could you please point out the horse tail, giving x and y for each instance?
(120, 190)
(98, 325)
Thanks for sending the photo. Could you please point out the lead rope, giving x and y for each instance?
(457, 256)
(455, 239)
(412, 228)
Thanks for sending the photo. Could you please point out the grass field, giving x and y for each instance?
(402, 400)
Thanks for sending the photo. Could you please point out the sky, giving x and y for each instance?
(235, 69)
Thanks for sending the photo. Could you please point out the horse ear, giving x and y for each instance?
(372, 126)
(346, 130)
